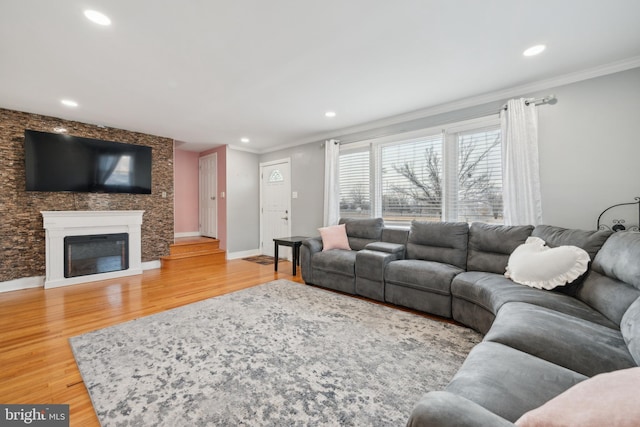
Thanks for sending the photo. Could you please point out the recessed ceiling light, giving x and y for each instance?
(97, 17)
(534, 50)
(330, 114)
(69, 103)
(245, 140)
(60, 129)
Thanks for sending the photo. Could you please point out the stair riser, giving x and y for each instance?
(194, 261)
(196, 247)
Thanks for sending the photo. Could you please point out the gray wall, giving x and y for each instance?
(589, 151)
(590, 148)
(307, 179)
(243, 199)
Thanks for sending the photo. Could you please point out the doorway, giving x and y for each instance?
(208, 182)
(275, 203)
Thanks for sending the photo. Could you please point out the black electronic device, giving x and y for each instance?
(58, 162)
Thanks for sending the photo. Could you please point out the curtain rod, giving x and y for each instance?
(549, 99)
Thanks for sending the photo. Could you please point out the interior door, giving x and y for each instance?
(208, 183)
(275, 190)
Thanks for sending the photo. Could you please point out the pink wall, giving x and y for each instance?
(185, 191)
(222, 187)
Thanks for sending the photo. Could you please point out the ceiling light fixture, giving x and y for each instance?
(245, 140)
(69, 103)
(534, 50)
(330, 114)
(97, 17)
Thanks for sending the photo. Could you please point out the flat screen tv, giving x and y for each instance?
(57, 162)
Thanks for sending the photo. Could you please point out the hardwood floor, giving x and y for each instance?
(37, 365)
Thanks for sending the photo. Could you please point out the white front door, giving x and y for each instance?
(275, 212)
(208, 183)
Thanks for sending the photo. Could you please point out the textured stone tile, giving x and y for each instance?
(21, 230)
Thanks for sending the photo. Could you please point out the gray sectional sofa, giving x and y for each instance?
(537, 343)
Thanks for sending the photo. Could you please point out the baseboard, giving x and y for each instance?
(186, 234)
(38, 281)
(151, 265)
(22, 283)
(243, 254)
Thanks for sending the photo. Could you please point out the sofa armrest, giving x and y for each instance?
(444, 409)
(390, 248)
(309, 247)
(314, 244)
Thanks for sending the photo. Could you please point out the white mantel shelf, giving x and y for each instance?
(60, 224)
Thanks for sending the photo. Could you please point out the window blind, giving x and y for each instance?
(476, 193)
(355, 184)
(411, 179)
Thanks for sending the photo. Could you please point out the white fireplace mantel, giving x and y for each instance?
(60, 224)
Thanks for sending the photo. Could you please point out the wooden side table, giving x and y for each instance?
(294, 242)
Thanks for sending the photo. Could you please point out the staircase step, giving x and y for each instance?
(187, 252)
(194, 259)
(193, 244)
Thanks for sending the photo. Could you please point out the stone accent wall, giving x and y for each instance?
(21, 230)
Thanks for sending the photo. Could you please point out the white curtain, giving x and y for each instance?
(520, 165)
(331, 182)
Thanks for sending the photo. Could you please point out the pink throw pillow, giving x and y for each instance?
(609, 399)
(334, 237)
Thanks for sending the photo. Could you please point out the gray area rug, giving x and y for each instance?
(278, 354)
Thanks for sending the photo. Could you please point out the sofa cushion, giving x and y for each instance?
(605, 400)
(422, 275)
(539, 266)
(555, 336)
(630, 329)
(590, 241)
(490, 245)
(334, 237)
(444, 242)
(335, 261)
(609, 296)
(509, 382)
(491, 291)
(471, 315)
(440, 408)
(363, 231)
(619, 257)
(613, 283)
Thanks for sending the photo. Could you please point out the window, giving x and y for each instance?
(411, 179)
(355, 184)
(276, 176)
(477, 189)
(452, 173)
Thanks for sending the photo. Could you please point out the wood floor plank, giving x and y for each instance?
(35, 324)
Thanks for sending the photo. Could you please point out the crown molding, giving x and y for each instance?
(311, 140)
(241, 148)
(500, 95)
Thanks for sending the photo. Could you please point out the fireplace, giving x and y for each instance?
(85, 246)
(95, 253)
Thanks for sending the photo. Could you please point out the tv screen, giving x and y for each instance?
(57, 162)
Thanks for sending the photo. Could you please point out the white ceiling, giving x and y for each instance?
(208, 72)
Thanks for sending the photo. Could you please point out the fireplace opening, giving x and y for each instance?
(93, 254)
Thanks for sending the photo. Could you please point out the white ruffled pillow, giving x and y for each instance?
(539, 266)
